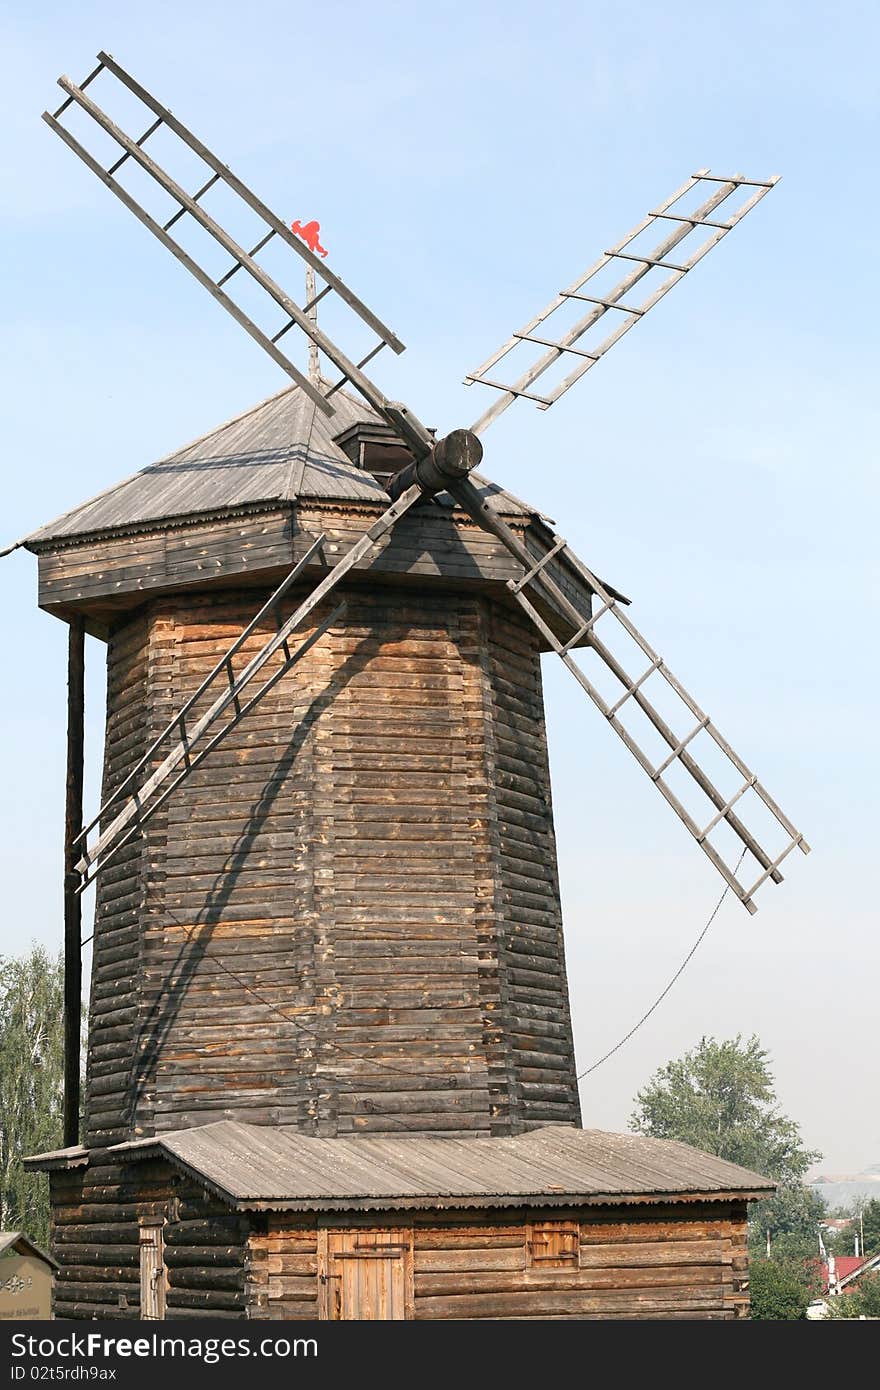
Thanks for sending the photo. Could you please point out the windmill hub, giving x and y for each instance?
(451, 459)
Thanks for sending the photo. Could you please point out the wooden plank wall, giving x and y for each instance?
(428, 543)
(95, 1213)
(349, 915)
(659, 1264)
(281, 1265)
(683, 1261)
(131, 566)
(228, 999)
(115, 982)
(398, 869)
(101, 575)
(532, 984)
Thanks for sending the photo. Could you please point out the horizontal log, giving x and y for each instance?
(464, 1258)
(650, 1252)
(197, 1279)
(692, 1281)
(575, 1303)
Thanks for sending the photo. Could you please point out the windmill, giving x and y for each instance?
(445, 466)
(421, 508)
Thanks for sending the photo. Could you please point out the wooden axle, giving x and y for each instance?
(451, 459)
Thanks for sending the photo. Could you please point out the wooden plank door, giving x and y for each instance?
(553, 1245)
(152, 1253)
(367, 1274)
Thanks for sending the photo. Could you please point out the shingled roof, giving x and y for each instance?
(255, 1166)
(280, 451)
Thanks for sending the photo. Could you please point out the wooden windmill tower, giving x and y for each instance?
(328, 911)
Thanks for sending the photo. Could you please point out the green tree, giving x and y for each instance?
(865, 1217)
(720, 1098)
(863, 1302)
(778, 1291)
(871, 1225)
(31, 1084)
(792, 1218)
(841, 1242)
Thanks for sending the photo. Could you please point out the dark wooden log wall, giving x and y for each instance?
(683, 1261)
(348, 918)
(99, 576)
(116, 960)
(73, 819)
(281, 1266)
(95, 1215)
(687, 1260)
(533, 998)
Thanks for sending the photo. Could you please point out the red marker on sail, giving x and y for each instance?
(309, 234)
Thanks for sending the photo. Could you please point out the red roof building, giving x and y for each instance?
(842, 1272)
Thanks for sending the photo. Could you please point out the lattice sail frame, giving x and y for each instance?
(146, 788)
(299, 316)
(557, 348)
(632, 689)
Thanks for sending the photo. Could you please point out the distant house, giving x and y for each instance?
(838, 1270)
(836, 1223)
(851, 1270)
(841, 1274)
(26, 1275)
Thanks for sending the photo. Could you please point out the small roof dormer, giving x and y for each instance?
(373, 447)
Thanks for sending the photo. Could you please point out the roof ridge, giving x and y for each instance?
(298, 466)
(282, 450)
(225, 425)
(166, 458)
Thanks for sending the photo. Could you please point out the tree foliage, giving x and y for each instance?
(31, 1084)
(863, 1302)
(865, 1220)
(841, 1242)
(778, 1291)
(720, 1098)
(870, 1224)
(792, 1218)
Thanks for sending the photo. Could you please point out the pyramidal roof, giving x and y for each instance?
(279, 451)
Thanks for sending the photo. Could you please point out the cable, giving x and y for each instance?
(399, 1071)
(267, 1003)
(659, 1000)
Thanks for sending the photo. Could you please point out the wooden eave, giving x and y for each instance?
(102, 575)
(538, 1201)
(57, 1160)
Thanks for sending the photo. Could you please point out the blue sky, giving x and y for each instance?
(466, 161)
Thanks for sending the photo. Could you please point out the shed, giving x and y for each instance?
(242, 1220)
(26, 1278)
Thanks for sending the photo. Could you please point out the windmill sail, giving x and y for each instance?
(190, 205)
(431, 471)
(695, 769)
(614, 301)
(185, 745)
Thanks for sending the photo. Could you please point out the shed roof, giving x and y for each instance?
(279, 451)
(258, 1166)
(23, 1245)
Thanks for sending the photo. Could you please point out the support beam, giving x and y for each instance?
(73, 818)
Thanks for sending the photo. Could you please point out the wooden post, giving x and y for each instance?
(73, 820)
(314, 362)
